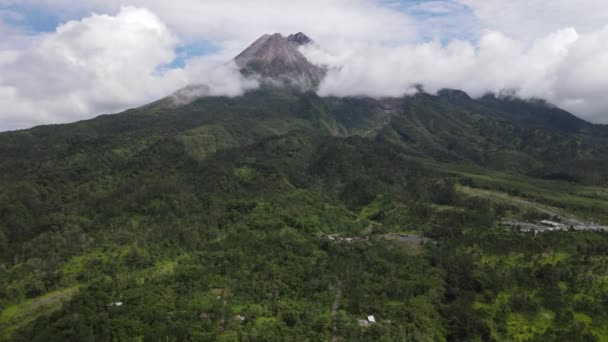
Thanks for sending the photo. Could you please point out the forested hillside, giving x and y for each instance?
(281, 216)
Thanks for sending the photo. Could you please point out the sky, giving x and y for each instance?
(65, 60)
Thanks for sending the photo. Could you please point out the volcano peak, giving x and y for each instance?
(277, 59)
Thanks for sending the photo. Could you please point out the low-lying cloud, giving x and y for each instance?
(216, 79)
(566, 68)
(105, 63)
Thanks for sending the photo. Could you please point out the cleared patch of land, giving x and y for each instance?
(563, 219)
(18, 315)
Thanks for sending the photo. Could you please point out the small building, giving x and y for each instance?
(367, 322)
(552, 224)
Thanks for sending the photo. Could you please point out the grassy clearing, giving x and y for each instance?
(504, 198)
(19, 315)
(379, 204)
(587, 202)
(518, 259)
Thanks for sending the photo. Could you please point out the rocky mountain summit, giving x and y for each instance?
(299, 39)
(277, 60)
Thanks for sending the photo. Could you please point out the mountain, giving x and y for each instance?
(283, 215)
(277, 59)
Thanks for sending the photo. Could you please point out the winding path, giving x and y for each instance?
(334, 311)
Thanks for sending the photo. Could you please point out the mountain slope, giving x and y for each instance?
(423, 125)
(282, 215)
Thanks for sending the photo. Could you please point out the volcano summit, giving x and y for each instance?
(277, 60)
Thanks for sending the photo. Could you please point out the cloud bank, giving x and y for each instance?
(530, 19)
(126, 57)
(566, 68)
(100, 64)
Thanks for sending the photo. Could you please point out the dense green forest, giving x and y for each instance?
(283, 216)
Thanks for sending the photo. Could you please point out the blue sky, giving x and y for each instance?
(32, 19)
(45, 18)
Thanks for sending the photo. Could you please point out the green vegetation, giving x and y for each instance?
(280, 216)
(18, 315)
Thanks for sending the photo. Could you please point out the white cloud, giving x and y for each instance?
(582, 77)
(564, 67)
(237, 22)
(217, 78)
(100, 64)
(531, 19)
